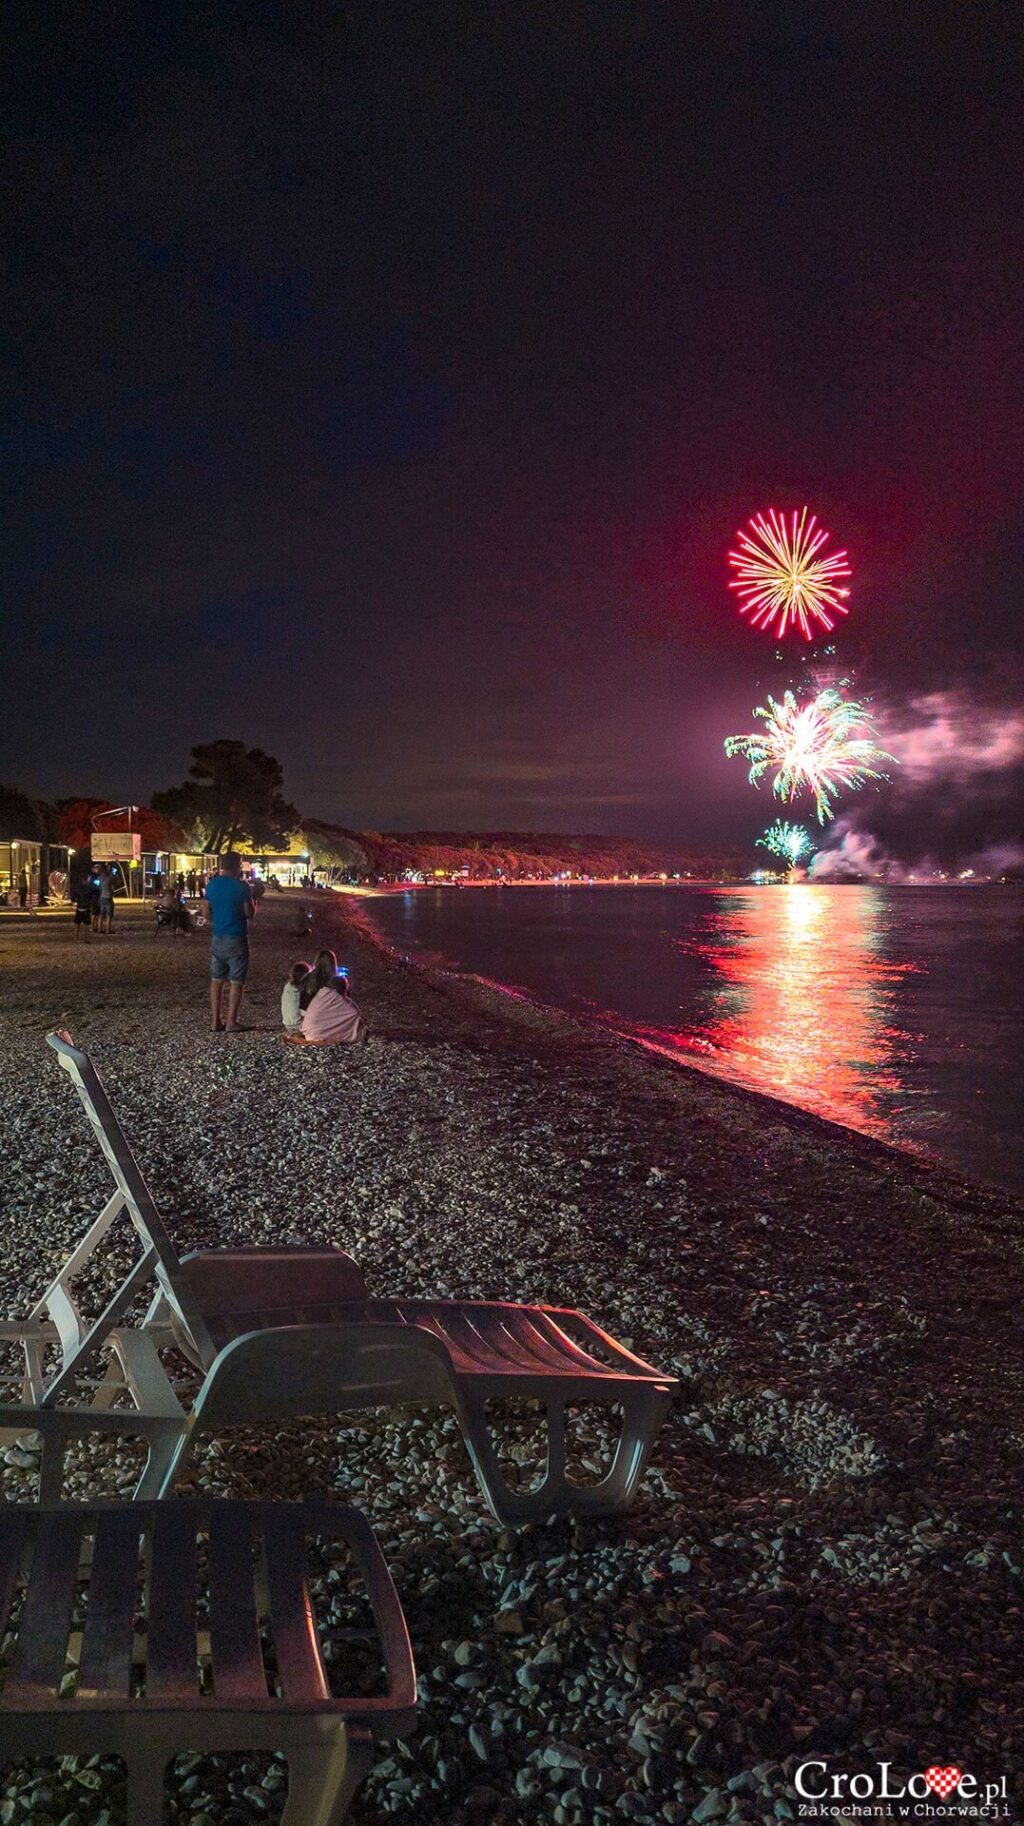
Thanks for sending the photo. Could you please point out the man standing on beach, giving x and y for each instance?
(231, 908)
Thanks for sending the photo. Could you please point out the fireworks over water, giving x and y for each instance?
(782, 577)
(824, 745)
(788, 841)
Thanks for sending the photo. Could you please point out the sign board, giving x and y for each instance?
(116, 846)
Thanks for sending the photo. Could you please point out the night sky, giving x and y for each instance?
(384, 385)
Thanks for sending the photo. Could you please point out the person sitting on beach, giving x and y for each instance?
(176, 914)
(291, 1002)
(303, 926)
(331, 1018)
(323, 972)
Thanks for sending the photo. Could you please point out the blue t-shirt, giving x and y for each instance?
(229, 901)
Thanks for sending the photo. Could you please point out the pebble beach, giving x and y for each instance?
(824, 1561)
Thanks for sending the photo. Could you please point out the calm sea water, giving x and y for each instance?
(895, 1010)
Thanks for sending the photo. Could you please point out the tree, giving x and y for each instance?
(232, 792)
(75, 824)
(21, 817)
(335, 851)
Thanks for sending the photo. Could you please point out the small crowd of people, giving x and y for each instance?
(94, 903)
(23, 892)
(317, 1008)
(192, 884)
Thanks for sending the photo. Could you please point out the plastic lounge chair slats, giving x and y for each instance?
(106, 1659)
(299, 1664)
(149, 1710)
(171, 1655)
(13, 1527)
(490, 1338)
(561, 1350)
(41, 1654)
(234, 1636)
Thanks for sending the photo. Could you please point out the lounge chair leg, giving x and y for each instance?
(508, 1506)
(51, 1467)
(555, 1470)
(642, 1413)
(157, 1477)
(501, 1501)
(322, 1779)
(357, 1767)
(146, 1769)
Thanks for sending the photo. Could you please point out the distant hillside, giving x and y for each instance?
(518, 855)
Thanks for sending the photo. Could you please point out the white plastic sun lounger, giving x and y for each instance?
(155, 1417)
(155, 1667)
(292, 1331)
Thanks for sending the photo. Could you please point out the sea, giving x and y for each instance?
(894, 1010)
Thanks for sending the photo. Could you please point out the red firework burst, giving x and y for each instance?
(782, 574)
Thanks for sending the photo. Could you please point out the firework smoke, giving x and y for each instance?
(858, 855)
(947, 736)
(956, 808)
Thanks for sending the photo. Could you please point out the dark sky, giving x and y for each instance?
(384, 385)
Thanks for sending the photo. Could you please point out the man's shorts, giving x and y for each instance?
(229, 960)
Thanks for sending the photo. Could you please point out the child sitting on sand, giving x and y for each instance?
(291, 1005)
(331, 1017)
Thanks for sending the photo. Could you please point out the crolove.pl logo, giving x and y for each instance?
(943, 1791)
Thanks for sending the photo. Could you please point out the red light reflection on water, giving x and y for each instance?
(802, 1002)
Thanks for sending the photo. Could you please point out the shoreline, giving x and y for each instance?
(603, 1025)
(824, 1560)
(379, 890)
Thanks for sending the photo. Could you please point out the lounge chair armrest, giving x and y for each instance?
(66, 1422)
(353, 1526)
(145, 1377)
(288, 1370)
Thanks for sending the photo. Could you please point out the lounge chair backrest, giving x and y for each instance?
(272, 1284)
(132, 1195)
